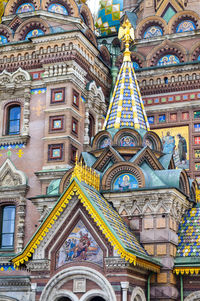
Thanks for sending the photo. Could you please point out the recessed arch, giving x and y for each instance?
(87, 16)
(122, 168)
(127, 132)
(6, 32)
(193, 296)
(29, 25)
(70, 5)
(13, 5)
(150, 21)
(52, 289)
(138, 294)
(181, 16)
(166, 47)
(154, 139)
(99, 137)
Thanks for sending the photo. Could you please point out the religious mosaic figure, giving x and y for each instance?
(105, 142)
(80, 245)
(168, 143)
(125, 181)
(127, 141)
(182, 149)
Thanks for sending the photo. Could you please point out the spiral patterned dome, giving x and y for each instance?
(109, 14)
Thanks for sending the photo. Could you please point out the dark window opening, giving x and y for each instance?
(13, 124)
(7, 227)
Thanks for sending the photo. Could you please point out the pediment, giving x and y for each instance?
(146, 155)
(10, 176)
(108, 155)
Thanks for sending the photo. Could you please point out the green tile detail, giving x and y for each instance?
(170, 12)
(108, 10)
(149, 101)
(178, 98)
(163, 99)
(192, 96)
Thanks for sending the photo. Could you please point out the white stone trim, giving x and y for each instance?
(94, 293)
(52, 288)
(138, 292)
(193, 296)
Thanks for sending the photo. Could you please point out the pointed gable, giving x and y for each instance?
(105, 217)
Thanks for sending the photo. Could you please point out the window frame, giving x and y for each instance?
(7, 119)
(2, 208)
(73, 153)
(52, 147)
(51, 122)
(77, 95)
(75, 131)
(53, 92)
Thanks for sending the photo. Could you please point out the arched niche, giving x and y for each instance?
(138, 294)
(123, 169)
(52, 290)
(87, 16)
(184, 183)
(70, 5)
(5, 34)
(102, 140)
(152, 140)
(148, 22)
(133, 138)
(13, 5)
(181, 16)
(30, 25)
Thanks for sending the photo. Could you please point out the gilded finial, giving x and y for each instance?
(126, 34)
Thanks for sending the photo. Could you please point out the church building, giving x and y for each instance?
(93, 204)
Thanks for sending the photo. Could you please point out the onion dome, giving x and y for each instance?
(109, 14)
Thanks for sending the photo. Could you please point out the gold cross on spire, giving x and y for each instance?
(126, 34)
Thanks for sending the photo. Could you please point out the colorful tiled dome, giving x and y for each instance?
(108, 20)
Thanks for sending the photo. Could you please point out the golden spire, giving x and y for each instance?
(126, 34)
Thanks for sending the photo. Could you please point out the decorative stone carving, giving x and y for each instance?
(10, 176)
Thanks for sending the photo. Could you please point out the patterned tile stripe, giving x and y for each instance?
(126, 106)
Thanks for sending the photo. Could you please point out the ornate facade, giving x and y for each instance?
(94, 208)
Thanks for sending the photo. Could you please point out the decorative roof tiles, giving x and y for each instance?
(189, 234)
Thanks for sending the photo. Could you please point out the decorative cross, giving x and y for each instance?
(39, 108)
(20, 153)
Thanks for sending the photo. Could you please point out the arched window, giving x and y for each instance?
(153, 31)
(91, 127)
(106, 141)
(58, 9)
(25, 7)
(168, 59)
(7, 218)
(34, 33)
(13, 120)
(3, 40)
(186, 25)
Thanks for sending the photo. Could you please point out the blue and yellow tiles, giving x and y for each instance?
(189, 234)
(126, 107)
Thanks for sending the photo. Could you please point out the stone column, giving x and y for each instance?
(125, 287)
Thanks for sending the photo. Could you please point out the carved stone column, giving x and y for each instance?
(125, 287)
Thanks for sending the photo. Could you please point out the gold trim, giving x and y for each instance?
(186, 271)
(72, 190)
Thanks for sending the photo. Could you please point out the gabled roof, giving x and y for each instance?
(107, 219)
(188, 251)
(167, 161)
(146, 154)
(109, 154)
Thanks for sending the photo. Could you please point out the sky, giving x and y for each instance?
(93, 5)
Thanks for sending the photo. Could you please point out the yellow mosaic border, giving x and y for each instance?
(186, 270)
(74, 188)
